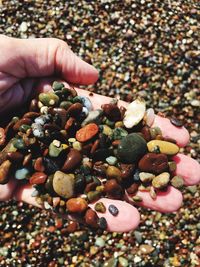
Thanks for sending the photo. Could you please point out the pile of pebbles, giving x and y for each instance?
(74, 155)
(142, 48)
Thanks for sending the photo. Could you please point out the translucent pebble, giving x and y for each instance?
(150, 116)
(21, 173)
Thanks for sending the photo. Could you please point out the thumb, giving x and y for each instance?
(50, 56)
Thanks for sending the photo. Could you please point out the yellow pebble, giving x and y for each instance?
(113, 172)
(65, 146)
(107, 130)
(164, 146)
(119, 124)
(77, 145)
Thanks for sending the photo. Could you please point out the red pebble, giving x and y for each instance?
(38, 178)
(87, 132)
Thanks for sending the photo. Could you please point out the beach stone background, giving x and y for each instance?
(141, 48)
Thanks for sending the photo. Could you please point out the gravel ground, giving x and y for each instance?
(146, 48)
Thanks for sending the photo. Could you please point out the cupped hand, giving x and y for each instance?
(80, 72)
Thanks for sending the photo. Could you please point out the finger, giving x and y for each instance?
(167, 201)
(6, 190)
(180, 134)
(127, 219)
(23, 58)
(188, 168)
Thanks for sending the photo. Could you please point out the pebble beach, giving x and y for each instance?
(141, 48)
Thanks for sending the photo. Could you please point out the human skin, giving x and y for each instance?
(28, 67)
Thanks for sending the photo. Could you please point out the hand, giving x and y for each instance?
(128, 217)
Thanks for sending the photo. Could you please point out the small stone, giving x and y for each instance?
(131, 148)
(87, 132)
(102, 223)
(164, 146)
(152, 193)
(113, 210)
(176, 122)
(111, 111)
(77, 145)
(146, 177)
(57, 86)
(76, 205)
(113, 172)
(155, 163)
(100, 207)
(93, 195)
(177, 181)
(138, 236)
(74, 110)
(192, 189)
(38, 130)
(111, 160)
(119, 133)
(2, 136)
(93, 117)
(19, 143)
(38, 165)
(132, 189)
(38, 178)
(149, 117)
(4, 171)
(100, 242)
(107, 130)
(146, 249)
(161, 180)
(55, 150)
(123, 262)
(73, 159)
(23, 27)
(63, 184)
(172, 166)
(134, 113)
(137, 198)
(110, 263)
(86, 102)
(127, 170)
(49, 99)
(91, 218)
(43, 119)
(21, 174)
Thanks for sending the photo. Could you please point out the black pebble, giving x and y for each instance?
(176, 122)
(102, 223)
(50, 166)
(113, 210)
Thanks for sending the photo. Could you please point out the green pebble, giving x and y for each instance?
(22, 174)
(100, 242)
(19, 143)
(54, 151)
(107, 130)
(131, 148)
(172, 166)
(110, 263)
(24, 127)
(109, 123)
(123, 262)
(49, 99)
(100, 207)
(57, 86)
(111, 160)
(93, 195)
(65, 104)
(77, 99)
(119, 133)
(177, 181)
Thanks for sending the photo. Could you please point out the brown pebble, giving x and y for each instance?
(73, 159)
(31, 115)
(113, 172)
(122, 111)
(56, 201)
(133, 188)
(75, 110)
(38, 165)
(2, 137)
(113, 189)
(91, 218)
(34, 105)
(112, 111)
(71, 227)
(146, 133)
(76, 205)
(15, 156)
(17, 125)
(100, 207)
(27, 159)
(70, 122)
(38, 178)
(155, 163)
(94, 146)
(146, 249)
(90, 187)
(4, 171)
(127, 170)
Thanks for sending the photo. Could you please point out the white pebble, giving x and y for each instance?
(150, 116)
(134, 113)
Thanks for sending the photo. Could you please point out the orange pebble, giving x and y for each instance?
(87, 132)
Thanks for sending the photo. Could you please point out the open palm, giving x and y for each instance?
(24, 65)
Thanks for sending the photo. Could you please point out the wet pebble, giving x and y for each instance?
(73, 159)
(113, 210)
(4, 171)
(161, 180)
(93, 117)
(152, 162)
(63, 184)
(38, 178)
(76, 205)
(177, 181)
(164, 147)
(22, 173)
(100, 207)
(146, 177)
(87, 132)
(91, 218)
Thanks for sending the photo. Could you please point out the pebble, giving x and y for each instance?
(100, 207)
(134, 113)
(49, 99)
(164, 147)
(73, 159)
(87, 132)
(155, 163)
(37, 130)
(113, 210)
(22, 173)
(86, 103)
(149, 117)
(161, 180)
(93, 117)
(63, 184)
(111, 160)
(107, 130)
(172, 166)
(113, 172)
(57, 86)
(100, 242)
(2, 136)
(38, 178)
(102, 223)
(146, 177)
(77, 205)
(91, 218)
(131, 148)
(111, 111)
(119, 133)
(4, 171)
(177, 181)
(113, 189)
(176, 122)
(146, 249)
(75, 110)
